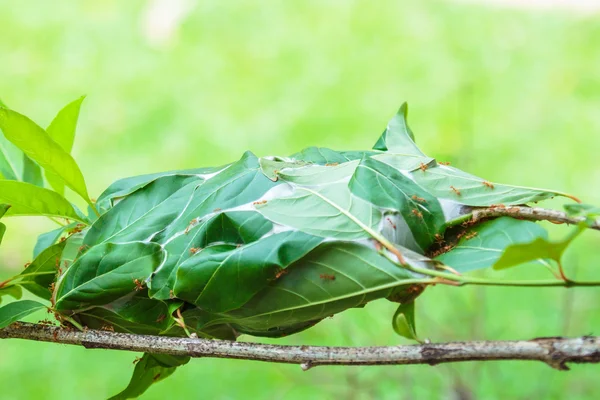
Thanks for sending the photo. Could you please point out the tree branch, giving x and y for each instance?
(554, 351)
(530, 213)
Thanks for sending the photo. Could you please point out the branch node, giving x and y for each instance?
(306, 365)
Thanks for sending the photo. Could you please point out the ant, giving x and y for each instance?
(194, 250)
(470, 235)
(256, 203)
(139, 285)
(190, 226)
(423, 167)
(488, 184)
(332, 164)
(419, 199)
(417, 213)
(455, 190)
(160, 318)
(391, 223)
(280, 273)
(327, 277)
(439, 238)
(446, 163)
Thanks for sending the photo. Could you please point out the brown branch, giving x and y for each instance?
(554, 351)
(530, 213)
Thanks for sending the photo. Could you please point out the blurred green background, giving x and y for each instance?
(512, 95)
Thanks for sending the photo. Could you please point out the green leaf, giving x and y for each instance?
(238, 271)
(270, 166)
(144, 213)
(319, 174)
(420, 214)
(13, 291)
(38, 276)
(126, 186)
(451, 183)
(150, 369)
(11, 160)
(240, 184)
(404, 162)
(588, 211)
(32, 173)
(136, 314)
(397, 137)
(106, 273)
(37, 144)
(62, 131)
(539, 248)
(330, 211)
(491, 239)
(323, 155)
(234, 228)
(14, 311)
(330, 279)
(28, 199)
(403, 321)
(47, 239)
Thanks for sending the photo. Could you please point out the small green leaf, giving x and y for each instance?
(403, 321)
(32, 172)
(106, 273)
(319, 174)
(270, 166)
(62, 131)
(151, 368)
(138, 314)
(397, 137)
(47, 239)
(588, 211)
(28, 199)
(384, 186)
(482, 246)
(11, 290)
(38, 276)
(14, 311)
(37, 144)
(540, 248)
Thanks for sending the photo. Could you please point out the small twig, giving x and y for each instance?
(554, 351)
(532, 214)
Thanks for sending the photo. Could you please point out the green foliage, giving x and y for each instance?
(151, 368)
(263, 246)
(539, 248)
(403, 321)
(62, 131)
(37, 144)
(17, 310)
(483, 245)
(28, 199)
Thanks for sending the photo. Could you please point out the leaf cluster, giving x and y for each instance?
(262, 246)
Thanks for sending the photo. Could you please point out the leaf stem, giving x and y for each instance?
(57, 221)
(469, 280)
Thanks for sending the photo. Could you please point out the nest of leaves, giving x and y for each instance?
(263, 246)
